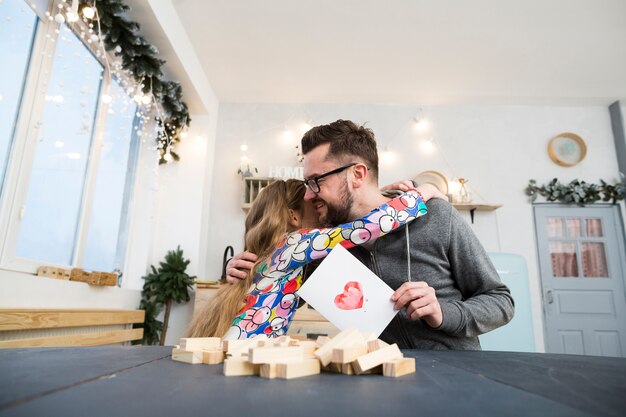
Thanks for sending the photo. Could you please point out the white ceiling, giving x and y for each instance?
(570, 52)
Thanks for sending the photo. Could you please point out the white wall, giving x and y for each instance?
(498, 148)
(178, 210)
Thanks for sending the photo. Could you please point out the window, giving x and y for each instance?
(113, 185)
(52, 210)
(16, 39)
(70, 155)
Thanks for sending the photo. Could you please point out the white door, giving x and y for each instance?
(582, 262)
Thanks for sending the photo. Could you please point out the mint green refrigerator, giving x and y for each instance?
(517, 336)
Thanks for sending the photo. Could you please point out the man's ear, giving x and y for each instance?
(359, 177)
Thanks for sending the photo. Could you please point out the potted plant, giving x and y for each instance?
(169, 283)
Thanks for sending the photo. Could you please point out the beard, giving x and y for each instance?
(340, 212)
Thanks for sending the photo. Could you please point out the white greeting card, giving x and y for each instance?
(348, 294)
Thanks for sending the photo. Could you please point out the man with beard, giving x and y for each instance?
(446, 287)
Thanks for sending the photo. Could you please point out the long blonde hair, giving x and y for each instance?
(266, 224)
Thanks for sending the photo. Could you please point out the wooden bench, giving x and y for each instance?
(66, 327)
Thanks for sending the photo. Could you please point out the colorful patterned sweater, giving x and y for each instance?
(272, 300)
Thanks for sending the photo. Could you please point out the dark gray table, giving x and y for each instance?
(144, 381)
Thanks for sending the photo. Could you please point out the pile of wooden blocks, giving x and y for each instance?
(350, 353)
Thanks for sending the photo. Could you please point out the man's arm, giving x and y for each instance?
(487, 303)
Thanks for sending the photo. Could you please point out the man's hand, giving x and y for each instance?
(420, 302)
(239, 266)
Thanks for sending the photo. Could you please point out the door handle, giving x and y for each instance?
(549, 297)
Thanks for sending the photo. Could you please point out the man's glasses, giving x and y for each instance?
(313, 184)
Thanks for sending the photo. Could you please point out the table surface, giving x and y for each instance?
(144, 381)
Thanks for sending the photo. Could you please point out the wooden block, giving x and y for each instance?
(321, 340)
(349, 354)
(212, 357)
(81, 275)
(300, 337)
(332, 367)
(268, 370)
(105, 278)
(370, 336)
(375, 370)
(275, 354)
(372, 359)
(345, 337)
(237, 348)
(399, 367)
(346, 369)
(200, 343)
(54, 272)
(187, 356)
(291, 370)
(230, 345)
(309, 347)
(373, 345)
(238, 367)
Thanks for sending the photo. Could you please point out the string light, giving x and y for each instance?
(167, 156)
(305, 127)
(89, 12)
(287, 136)
(387, 156)
(427, 145)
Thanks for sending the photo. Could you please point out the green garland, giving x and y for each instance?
(139, 58)
(578, 192)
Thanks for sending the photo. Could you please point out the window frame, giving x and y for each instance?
(24, 143)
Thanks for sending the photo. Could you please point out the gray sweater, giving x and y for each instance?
(445, 253)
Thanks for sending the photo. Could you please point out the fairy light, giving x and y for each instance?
(427, 145)
(89, 12)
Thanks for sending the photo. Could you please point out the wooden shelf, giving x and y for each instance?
(476, 206)
(473, 207)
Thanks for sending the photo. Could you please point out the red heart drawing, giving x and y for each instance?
(351, 298)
